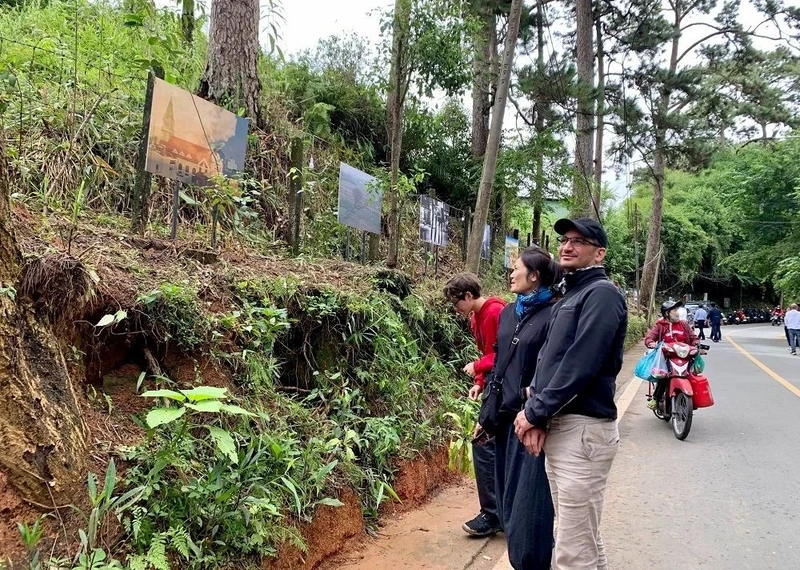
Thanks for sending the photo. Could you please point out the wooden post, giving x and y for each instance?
(175, 199)
(363, 247)
(436, 262)
(541, 242)
(636, 243)
(296, 195)
(347, 245)
(425, 257)
(214, 219)
(529, 239)
(465, 239)
(140, 198)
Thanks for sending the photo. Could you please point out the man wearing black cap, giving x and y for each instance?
(571, 412)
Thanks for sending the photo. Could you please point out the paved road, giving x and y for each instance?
(729, 496)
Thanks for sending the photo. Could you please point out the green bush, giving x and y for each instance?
(219, 481)
(637, 328)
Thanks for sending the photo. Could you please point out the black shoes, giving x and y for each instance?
(482, 525)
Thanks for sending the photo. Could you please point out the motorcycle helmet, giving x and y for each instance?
(667, 306)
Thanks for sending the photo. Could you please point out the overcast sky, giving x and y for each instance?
(311, 20)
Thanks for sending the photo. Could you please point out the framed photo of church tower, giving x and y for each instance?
(191, 140)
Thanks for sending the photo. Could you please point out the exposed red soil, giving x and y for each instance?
(418, 478)
(326, 535)
(339, 530)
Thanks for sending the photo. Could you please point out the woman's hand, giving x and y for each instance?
(469, 369)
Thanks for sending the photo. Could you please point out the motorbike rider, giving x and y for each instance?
(669, 328)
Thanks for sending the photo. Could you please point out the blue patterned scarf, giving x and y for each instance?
(526, 303)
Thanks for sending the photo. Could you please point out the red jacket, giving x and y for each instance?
(680, 331)
(484, 325)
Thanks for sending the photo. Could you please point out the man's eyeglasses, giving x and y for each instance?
(564, 240)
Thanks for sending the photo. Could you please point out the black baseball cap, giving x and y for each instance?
(587, 227)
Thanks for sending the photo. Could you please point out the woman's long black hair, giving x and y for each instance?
(534, 258)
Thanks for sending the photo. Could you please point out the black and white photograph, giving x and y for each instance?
(433, 219)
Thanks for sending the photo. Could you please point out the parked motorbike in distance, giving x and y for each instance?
(686, 390)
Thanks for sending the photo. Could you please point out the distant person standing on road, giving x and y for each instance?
(464, 291)
(571, 411)
(700, 316)
(792, 320)
(715, 320)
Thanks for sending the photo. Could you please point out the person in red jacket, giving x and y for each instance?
(464, 291)
(669, 328)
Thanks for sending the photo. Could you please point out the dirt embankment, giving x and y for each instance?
(104, 366)
(336, 530)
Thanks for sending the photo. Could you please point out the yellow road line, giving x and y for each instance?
(785, 383)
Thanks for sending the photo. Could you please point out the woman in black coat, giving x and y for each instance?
(523, 493)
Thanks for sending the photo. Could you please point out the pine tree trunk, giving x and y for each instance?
(482, 79)
(42, 433)
(584, 155)
(231, 76)
(538, 198)
(652, 258)
(398, 84)
(601, 102)
(493, 145)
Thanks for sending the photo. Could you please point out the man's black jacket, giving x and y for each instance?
(579, 363)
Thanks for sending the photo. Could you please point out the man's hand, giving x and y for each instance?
(522, 425)
(478, 429)
(533, 440)
(475, 392)
(469, 369)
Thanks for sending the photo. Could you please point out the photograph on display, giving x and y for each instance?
(486, 244)
(434, 216)
(191, 140)
(360, 200)
(511, 253)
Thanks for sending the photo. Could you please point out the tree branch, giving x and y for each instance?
(519, 111)
(719, 32)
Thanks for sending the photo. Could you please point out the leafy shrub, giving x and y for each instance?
(173, 315)
(637, 328)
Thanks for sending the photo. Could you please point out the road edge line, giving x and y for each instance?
(774, 375)
(627, 397)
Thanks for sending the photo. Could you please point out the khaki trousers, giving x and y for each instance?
(579, 451)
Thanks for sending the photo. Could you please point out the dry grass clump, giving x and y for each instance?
(58, 284)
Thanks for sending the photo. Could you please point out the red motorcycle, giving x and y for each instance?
(686, 390)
